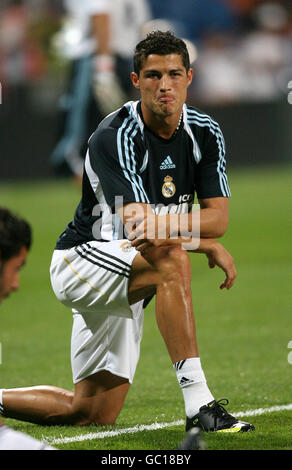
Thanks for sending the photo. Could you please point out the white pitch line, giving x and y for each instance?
(155, 426)
(117, 432)
(262, 411)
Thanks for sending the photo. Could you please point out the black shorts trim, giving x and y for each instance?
(103, 261)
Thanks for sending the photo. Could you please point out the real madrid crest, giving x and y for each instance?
(168, 188)
(126, 246)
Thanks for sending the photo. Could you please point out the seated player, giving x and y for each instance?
(15, 240)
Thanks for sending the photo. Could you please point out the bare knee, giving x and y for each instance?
(81, 417)
(99, 399)
(175, 265)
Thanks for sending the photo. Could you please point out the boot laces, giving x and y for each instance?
(218, 411)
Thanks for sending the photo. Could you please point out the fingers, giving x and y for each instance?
(231, 275)
(143, 247)
(212, 264)
(135, 219)
(211, 261)
(141, 244)
(149, 229)
(135, 227)
(222, 258)
(140, 229)
(138, 233)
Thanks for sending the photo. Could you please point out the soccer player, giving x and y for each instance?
(15, 240)
(127, 243)
(97, 39)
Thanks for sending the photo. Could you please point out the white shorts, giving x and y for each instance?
(92, 279)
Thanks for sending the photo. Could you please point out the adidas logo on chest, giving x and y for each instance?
(167, 164)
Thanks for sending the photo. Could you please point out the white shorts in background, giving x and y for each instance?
(92, 279)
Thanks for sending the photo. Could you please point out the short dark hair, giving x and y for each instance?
(15, 233)
(161, 43)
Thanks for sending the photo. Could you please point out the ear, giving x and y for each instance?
(190, 76)
(135, 80)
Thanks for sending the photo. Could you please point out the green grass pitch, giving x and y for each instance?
(243, 334)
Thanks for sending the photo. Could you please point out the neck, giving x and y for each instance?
(164, 126)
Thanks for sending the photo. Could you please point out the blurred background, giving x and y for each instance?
(241, 54)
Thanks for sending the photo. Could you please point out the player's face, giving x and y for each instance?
(163, 82)
(9, 273)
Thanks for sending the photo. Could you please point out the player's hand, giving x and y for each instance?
(143, 245)
(148, 230)
(219, 256)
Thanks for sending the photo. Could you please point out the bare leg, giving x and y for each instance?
(168, 270)
(98, 399)
(174, 310)
(36, 404)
